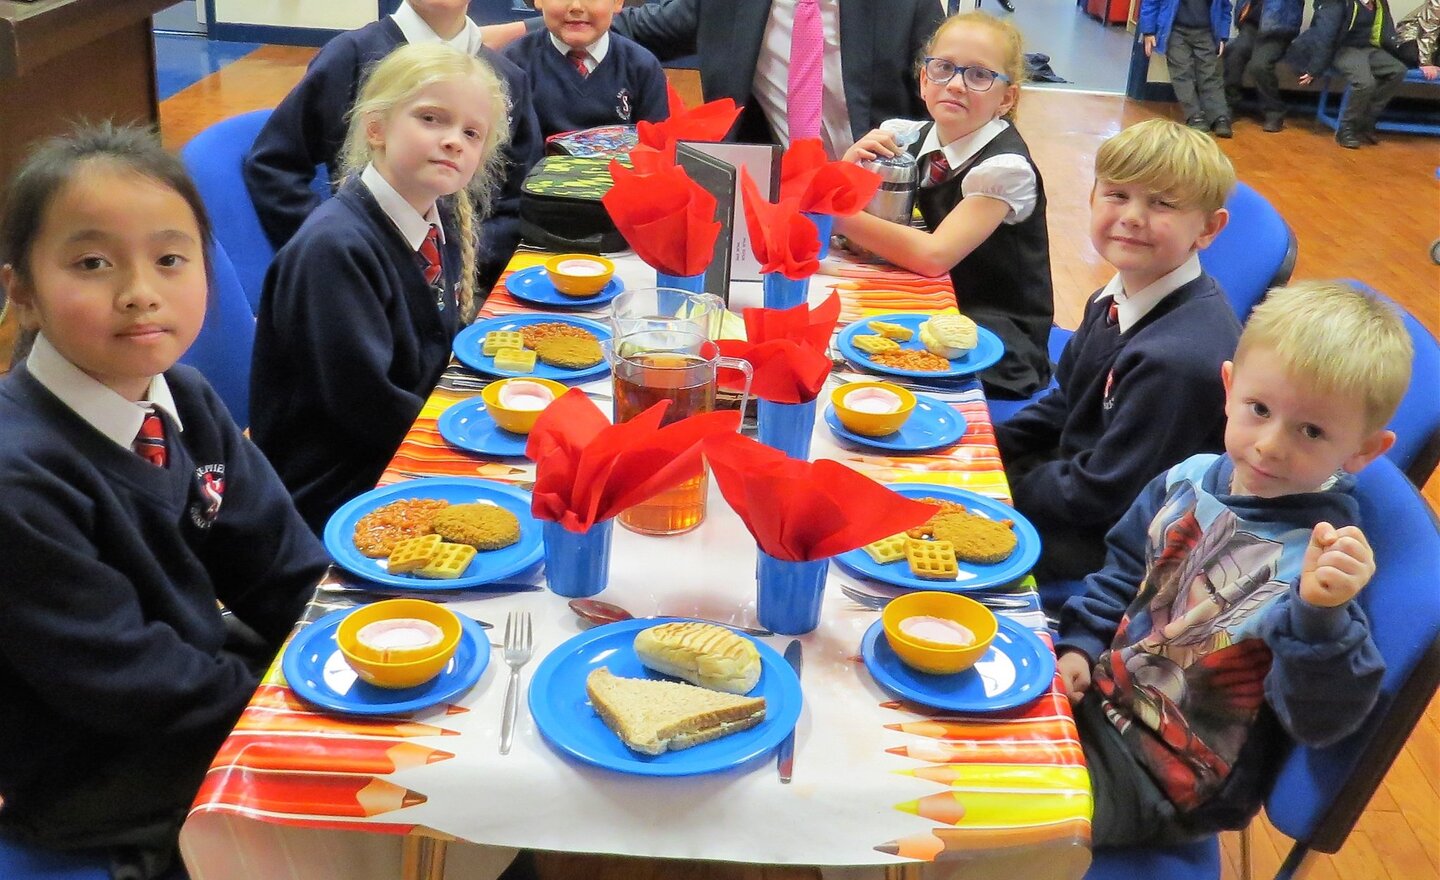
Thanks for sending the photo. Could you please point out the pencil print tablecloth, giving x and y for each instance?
(877, 781)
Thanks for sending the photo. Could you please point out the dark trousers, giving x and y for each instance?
(1374, 76)
(1194, 64)
(1251, 53)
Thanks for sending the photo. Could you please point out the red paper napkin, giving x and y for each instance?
(802, 511)
(710, 121)
(666, 217)
(783, 239)
(588, 470)
(788, 350)
(822, 186)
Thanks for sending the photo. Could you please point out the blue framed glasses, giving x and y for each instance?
(980, 79)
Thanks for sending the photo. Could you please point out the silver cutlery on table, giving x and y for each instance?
(519, 645)
(785, 760)
(600, 612)
(376, 593)
(876, 601)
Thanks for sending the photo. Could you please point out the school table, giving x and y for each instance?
(297, 793)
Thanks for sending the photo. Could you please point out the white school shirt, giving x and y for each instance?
(1131, 307)
(100, 407)
(772, 70)
(594, 53)
(413, 225)
(416, 30)
(1007, 177)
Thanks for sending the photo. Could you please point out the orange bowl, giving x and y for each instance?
(939, 658)
(872, 424)
(517, 421)
(398, 667)
(579, 274)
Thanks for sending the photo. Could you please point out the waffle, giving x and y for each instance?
(498, 339)
(413, 553)
(932, 560)
(449, 563)
(897, 332)
(874, 344)
(886, 550)
(515, 360)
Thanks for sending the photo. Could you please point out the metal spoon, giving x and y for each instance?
(596, 611)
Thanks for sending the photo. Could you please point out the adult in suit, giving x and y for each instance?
(872, 49)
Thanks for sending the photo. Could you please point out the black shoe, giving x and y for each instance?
(1274, 122)
(1367, 134)
(1346, 137)
(1198, 122)
(1221, 127)
(1007, 5)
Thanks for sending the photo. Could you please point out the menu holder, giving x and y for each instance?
(720, 179)
(763, 163)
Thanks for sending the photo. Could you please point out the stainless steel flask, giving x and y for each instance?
(899, 176)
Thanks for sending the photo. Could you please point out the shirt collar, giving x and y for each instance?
(596, 50)
(415, 30)
(1131, 307)
(961, 150)
(100, 407)
(413, 226)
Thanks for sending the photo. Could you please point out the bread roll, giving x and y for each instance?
(701, 653)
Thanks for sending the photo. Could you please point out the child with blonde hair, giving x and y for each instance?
(360, 308)
(981, 196)
(1224, 623)
(1139, 382)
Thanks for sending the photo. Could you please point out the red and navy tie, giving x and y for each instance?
(150, 442)
(430, 255)
(1113, 316)
(578, 57)
(939, 169)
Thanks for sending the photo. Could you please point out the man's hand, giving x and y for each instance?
(1304, 79)
(1148, 42)
(876, 142)
(1429, 71)
(1337, 565)
(1074, 674)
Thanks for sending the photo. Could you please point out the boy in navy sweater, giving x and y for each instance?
(585, 76)
(1223, 623)
(308, 128)
(1139, 382)
(132, 506)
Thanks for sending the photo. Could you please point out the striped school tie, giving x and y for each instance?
(939, 169)
(150, 442)
(805, 81)
(430, 255)
(578, 57)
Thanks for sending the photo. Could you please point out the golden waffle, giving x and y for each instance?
(413, 553)
(516, 360)
(569, 352)
(975, 538)
(874, 344)
(378, 531)
(886, 550)
(449, 563)
(498, 339)
(932, 560)
(482, 526)
(897, 332)
(911, 359)
(533, 333)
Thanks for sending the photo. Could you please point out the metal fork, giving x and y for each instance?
(876, 601)
(519, 645)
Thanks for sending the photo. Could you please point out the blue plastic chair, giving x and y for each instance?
(213, 158)
(1253, 253)
(1417, 422)
(222, 350)
(1319, 794)
(20, 862)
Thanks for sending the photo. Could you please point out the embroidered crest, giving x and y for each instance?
(622, 105)
(1107, 401)
(209, 491)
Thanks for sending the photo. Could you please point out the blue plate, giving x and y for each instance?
(1018, 668)
(533, 285)
(987, 351)
(317, 672)
(470, 340)
(566, 719)
(932, 424)
(488, 565)
(972, 576)
(468, 425)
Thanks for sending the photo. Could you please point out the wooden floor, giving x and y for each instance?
(1368, 214)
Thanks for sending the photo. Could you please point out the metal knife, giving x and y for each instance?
(786, 754)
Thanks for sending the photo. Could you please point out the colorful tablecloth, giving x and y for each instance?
(877, 781)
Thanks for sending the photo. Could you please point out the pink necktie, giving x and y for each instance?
(150, 442)
(430, 254)
(805, 85)
(939, 169)
(577, 57)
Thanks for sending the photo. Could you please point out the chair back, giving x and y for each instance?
(214, 158)
(1320, 793)
(1417, 422)
(20, 861)
(1253, 253)
(222, 350)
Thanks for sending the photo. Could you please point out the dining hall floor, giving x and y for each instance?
(1368, 214)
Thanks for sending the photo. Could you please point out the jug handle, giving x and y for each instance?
(733, 363)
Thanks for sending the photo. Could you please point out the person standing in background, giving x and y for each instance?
(1265, 29)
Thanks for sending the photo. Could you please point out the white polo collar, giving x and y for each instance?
(596, 50)
(1131, 307)
(413, 226)
(108, 412)
(415, 30)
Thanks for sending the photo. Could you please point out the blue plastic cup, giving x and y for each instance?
(577, 564)
(692, 283)
(826, 224)
(787, 426)
(784, 293)
(789, 593)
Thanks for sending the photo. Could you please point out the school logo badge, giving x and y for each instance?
(1108, 402)
(209, 490)
(622, 105)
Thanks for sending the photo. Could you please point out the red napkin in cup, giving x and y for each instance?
(666, 217)
(822, 186)
(783, 239)
(801, 511)
(787, 348)
(588, 470)
(710, 121)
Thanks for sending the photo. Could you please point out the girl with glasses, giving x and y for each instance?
(981, 198)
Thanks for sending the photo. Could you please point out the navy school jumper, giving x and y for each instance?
(626, 87)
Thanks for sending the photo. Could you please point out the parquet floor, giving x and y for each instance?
(1369, 214)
